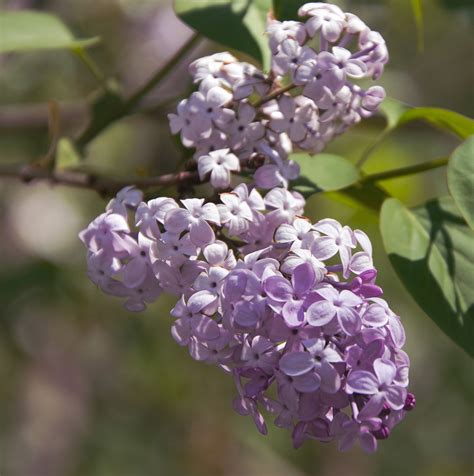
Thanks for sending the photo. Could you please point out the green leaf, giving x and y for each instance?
(445, 119)
(432, 251)
(325, 172)
(398, 114)
(461, 179)
(66, 156)
(287, 9)
(339, 178)
(370, 195)
(238, 24)
(28, 30)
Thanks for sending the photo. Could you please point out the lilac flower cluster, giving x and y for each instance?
(237, 114)
(289, 308)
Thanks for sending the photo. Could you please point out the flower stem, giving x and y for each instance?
(404, 171)
(91, 66)
(274, 94)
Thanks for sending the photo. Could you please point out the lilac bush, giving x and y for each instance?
(289, 308)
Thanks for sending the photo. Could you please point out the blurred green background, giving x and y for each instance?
(89, 389)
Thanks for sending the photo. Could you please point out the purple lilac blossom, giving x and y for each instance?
(295, 316)
(226, 124)
(288, 307)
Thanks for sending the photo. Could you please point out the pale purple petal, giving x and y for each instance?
(307, 383)
(278, 288)
(320, 313)
(368, 442)
(396, 396)
(385, 371)
(205, 328)
(303, 278)
(330, 379)
(349, 320)
(361, 381)
(324, 247)
(296, 363)
(201, 233)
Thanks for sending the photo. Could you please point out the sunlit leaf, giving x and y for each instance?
(237, 24)
(28, 30)
(325, 172)
(398, 113)
(432, 251)
(461, 179)
(452, 121)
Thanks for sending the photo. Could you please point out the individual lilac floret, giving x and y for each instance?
(218, 164)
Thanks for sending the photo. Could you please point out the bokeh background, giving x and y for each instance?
(89, 389)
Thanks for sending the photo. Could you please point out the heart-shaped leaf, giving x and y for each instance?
(432, 251)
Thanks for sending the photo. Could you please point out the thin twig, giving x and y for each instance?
(91, 65)
(102, 185)
(111, 185)
(274, 94)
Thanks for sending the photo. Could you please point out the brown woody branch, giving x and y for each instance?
(102, 185)
(107, 186)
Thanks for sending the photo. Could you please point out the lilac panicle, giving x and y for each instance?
(295, 316)
(289, 308)
(227, 122)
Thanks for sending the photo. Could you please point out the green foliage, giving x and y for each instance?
(369, 195)
(30, 30)
(452, 121)
(237, 24)
(339, 178)
(431, 250)
(66, 155)
(287, 9)
(461, 179)
(324, 172)
(398, 114)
